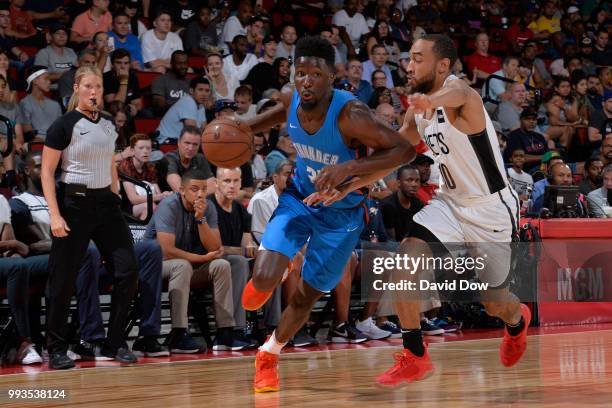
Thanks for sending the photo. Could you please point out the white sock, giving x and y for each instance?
(272, 345)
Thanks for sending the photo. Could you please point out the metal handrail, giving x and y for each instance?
(147, 188)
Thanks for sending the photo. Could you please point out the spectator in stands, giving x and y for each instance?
(481, 62)
(189, 110)
(605, 153)
(159, 43)
(22, 27)
(286, 47)
(7, 42)
(137, 27)
(235, 228)
(562, 111)
(378, 61)
(139, 167)
(508, 112)
(236, 25)
(263, 141)
(353, 22)
(183, 12)
(426, 189)
(39, 112)
(605, 76)
(255, 35)
(244, 102)
(600, 124)
(363, 89)
(380, 34)
(201, 34)
(525, 138)
(521, 181)
(586, 53)
(518, 33)
(240, 62)
(87, 57)
(386, 114)
(327, 34)
(56, 56)
(171, 86)
(185, 224)
(262, 75)
(124, 125)
(547, 23)
(10, 96)
(602, 52)
(284, 150)
(121, 83)
(102, 46)
(282, 72)
(380, 95)
(399, 208)
(579, 90)
(222, 86)
(598, 199)
(595, 91)
(559, 66)
(122, 38)
(187, 157)
(591, 180)
(12, 112)
(86, 24)
(497, 87)
(15, 270)
(539, 76)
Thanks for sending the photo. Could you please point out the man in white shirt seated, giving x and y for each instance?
(159, 43)
(354, 22)
(599, 200)
(240, 62)
(236, 25)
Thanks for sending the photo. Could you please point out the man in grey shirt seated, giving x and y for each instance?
(508, 112)
(170, 87)
(598, 199)
(39, 112)
(185, 224)
(56, 56)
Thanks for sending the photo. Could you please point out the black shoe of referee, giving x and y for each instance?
(122, 354)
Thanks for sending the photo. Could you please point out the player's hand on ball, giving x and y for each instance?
(419, 102)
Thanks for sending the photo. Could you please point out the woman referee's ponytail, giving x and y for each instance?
(80, 73)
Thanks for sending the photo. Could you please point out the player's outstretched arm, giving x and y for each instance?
(359, 127)
(276, 115)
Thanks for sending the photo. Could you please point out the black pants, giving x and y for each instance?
(97, 217)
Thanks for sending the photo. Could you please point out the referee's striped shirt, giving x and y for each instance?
(87, 148)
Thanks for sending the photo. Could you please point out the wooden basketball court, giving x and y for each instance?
(559, 370)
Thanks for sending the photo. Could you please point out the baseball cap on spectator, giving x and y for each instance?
(586, 41)
(264, 103)
(404, 55)
(607, 94)
(529, 113)
(269, 38)
(58, 27)
(422, 158)
(549, 155)
(222, 104)
(572, 10)
(345, 86)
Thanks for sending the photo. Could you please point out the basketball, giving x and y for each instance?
(228, 142)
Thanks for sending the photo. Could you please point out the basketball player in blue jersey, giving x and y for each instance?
(331, 130)
(473, 205)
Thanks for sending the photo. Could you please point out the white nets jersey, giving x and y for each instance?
(470, 166)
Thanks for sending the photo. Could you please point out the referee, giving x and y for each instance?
(85, 207)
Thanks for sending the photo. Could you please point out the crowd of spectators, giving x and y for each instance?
(543, 68)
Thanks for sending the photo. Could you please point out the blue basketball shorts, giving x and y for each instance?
(331, 234)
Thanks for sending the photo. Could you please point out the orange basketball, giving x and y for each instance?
(228, 142)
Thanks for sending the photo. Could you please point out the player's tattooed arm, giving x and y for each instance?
(276, 115)
(359, 127)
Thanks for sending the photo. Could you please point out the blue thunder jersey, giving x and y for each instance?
(325, 147)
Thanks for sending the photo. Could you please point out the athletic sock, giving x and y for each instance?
(413, 341)
(272, 345)
(515, 330)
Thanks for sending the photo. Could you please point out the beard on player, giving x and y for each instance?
(425, 84)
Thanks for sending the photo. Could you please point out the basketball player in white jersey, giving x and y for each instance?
(474, 203)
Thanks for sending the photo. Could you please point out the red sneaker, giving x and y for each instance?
(253, 299)
(266, 372)
(407, 368)
(512, 348)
